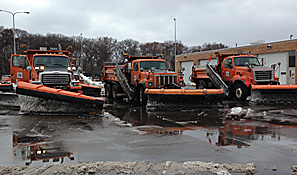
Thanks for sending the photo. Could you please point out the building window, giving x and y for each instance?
(291, 58)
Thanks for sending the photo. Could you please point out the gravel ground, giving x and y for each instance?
(137, 167)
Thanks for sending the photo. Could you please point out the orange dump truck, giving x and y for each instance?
(51, 68)
(5, 85)
(140, 77)
(241, 76)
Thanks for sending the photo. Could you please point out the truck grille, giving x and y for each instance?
(55, 79)
(162, 80)
(263, 75)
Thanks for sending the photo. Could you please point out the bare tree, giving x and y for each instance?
(213, 46)
(193, 49)
(153, 48)
(129, 46)
(6, 46)
(92, 53)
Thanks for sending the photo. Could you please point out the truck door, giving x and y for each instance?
(227, 70)
(19, 68)
(135, 73)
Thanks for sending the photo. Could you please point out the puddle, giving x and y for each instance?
(125, 132)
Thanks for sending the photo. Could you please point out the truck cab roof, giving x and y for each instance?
(132, 58)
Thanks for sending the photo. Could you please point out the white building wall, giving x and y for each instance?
(275, 58)
(213, 61)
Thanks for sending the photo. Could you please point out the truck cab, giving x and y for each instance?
(235, 68)
(238, 72)
(153, 73)
(140, 73)
(51, 70)
(44, 67)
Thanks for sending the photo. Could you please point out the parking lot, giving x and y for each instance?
(125, 132)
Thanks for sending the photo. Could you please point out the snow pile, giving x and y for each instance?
(239, 112)
(34, 104)
(137, 167)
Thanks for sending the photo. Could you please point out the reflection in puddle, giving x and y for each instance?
(156, 130)
(236, 133)
(38, 138)
(38, 149)
(210, 125)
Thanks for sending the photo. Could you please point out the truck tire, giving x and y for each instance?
(108, 90)
(201, 84)
(240, 92)
(114, 91)
(142, 96)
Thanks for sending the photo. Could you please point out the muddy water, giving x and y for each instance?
(128, 133)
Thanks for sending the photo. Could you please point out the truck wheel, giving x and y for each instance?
(114, 91)
(108, 90)
(200, 85)
(240, 92)
(142, 96)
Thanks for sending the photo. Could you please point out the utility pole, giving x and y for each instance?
(174, 44)
(80, 59)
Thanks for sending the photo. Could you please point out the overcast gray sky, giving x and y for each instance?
(198, 21)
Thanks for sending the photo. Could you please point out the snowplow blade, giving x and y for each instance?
(274, 94)
(56, 94)
(176, 99)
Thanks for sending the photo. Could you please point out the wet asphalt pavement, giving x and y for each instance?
(126, 132)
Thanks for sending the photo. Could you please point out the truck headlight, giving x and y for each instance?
(69, 68)
(150, 84)
(75, 83)
(181, 83)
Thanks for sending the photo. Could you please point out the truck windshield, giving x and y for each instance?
(51, 61)
(146, 65)
(240, 61)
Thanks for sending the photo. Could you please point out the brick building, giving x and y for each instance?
(283, 52)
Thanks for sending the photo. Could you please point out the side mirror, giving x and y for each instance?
(263, 61)
(29, 68)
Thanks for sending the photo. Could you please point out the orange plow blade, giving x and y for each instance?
(274, 94)
(56, 94)
(183, 98)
